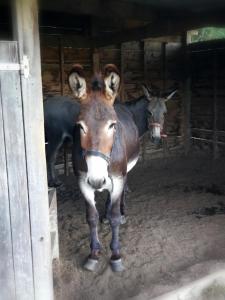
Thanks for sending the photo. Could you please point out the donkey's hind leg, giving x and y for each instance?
(105, 218)
(123, 206)
(51, 153)
(92, 218)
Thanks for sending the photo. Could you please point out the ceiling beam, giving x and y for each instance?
(105, 9)
(67, 40)
(160, 28)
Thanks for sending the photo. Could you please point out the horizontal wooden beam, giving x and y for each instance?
(67, 40)
(104, 9)
(160, 28)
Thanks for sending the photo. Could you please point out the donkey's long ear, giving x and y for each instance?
(112, 82)
(77, 82)
(170, 95)
(147, 92)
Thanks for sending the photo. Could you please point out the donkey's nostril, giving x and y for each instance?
(96, 183)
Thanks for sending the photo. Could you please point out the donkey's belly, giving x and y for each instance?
(131, 164)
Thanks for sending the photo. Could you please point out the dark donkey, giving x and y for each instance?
(156, 112)
(106, 148)
(60, 112)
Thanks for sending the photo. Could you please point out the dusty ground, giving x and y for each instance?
(175, 223)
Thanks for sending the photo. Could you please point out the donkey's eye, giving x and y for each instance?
(112, 125)
(81, 127)
(149, 113)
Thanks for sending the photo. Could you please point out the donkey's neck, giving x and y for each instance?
(138, 108)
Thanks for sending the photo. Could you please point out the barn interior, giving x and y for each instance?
(175, 210)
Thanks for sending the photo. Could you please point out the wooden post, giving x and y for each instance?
(8, 227)
(62, 83)
(145, 138)
(163, 53)
(26, 32)
(163, 62)
(122, 92)
(215, 106)
(186, 96)
(61, 62)
(145, 61)
(17, 191)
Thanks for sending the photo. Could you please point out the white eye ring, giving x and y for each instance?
(112, 126)
(82, 127)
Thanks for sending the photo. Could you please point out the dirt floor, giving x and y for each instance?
(174, 232)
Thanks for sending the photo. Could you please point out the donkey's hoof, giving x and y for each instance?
(117, 265)
(91, 264)
(123, 220)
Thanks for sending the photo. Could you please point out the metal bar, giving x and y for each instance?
(10, 67)
(208, 130)
(205, 140)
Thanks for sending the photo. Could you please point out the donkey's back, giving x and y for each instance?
(129, 134)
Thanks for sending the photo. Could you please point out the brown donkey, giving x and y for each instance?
(106, 148)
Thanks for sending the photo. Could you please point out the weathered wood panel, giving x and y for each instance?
(12, 115)
(26, 31)
(7, 283)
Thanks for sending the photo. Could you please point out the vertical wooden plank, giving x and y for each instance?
(16, 174)
(186, 96)
(96, 61)
(61, 65)
(122, 92)
(163, 70)
(145, 60)
(26, 31)
(7, 282)
(215, 106)
(163, 53)
(17, 184)
(145, 138)
(62, 83)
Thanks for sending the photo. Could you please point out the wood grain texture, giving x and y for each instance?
(7, 283)
(26, 31)
(17, 183)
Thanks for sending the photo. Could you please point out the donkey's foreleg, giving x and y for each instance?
(115, 220)
(92, 218)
